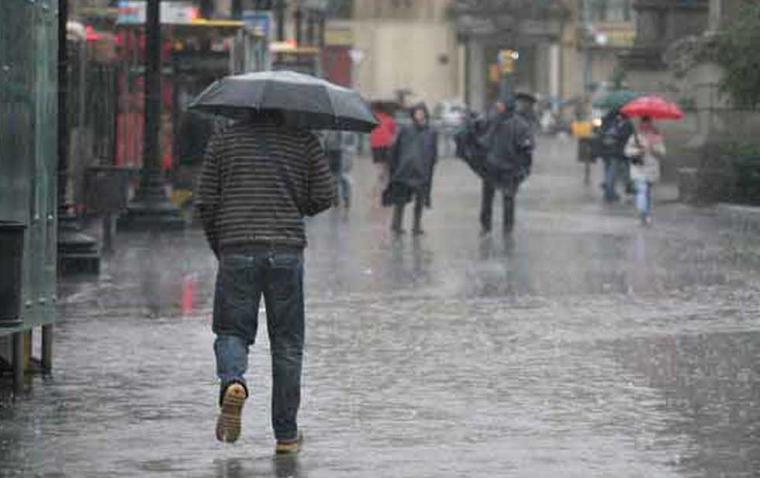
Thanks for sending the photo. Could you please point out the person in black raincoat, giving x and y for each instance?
(509, 145)
(616, 129)
(412, 162)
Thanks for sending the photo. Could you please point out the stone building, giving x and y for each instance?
(405, 45)
(660, 23)
(674, 56)
(597, 32)
(531, 31)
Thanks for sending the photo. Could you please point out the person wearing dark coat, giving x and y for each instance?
(412, 162)
(616, 129)
(509, 144)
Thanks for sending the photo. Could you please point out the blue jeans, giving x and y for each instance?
(644, 198)
(241, 281)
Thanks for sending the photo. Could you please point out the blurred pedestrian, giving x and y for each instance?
(509, 142)
(251, 203)
(339, 160)
(412, 163)
(646, 148)
(381, 140)
(615, 131)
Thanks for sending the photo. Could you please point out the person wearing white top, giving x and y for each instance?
(646, 148)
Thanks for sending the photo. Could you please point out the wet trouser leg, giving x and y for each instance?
(509, 207)
(611, 170)
(624, 173)
(345, 189)
(283, 296)
(486, 206)
(644, 198)
(419, 206)
(398, 217)
(241, 281)
(235, 318)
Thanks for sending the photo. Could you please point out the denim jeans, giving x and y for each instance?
(644, 197)
(241, 281)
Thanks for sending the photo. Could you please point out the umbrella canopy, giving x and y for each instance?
(526, 97)
(616, 99)
(654, 107)
(305, 101)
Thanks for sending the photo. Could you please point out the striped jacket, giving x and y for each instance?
(257, 183)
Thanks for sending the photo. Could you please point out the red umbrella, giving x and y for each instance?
(654, 107)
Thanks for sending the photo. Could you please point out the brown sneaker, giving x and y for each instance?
(290, 447)
(228, 424)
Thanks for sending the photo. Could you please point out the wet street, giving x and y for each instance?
(585, 346)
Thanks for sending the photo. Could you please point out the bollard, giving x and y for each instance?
(18, 362)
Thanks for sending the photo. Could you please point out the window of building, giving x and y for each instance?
(609, 10)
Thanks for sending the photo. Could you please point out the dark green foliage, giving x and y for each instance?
(744, 159)
(739, 54)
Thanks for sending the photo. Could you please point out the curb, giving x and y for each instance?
(748, 217)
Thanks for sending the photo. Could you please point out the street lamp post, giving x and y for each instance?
(279, 8)
(151, 208)
(77, 252)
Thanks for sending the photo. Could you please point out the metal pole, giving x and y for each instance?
(18, 362)
(108, 232)
(151, 208)
(63, 124)
(322, 29)
(297, 24)
(76, 252)
(280, 13)
(47, 348)
(587, 29)
(310, 30)
(151, 147)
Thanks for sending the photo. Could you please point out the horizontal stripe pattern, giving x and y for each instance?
(257, 183)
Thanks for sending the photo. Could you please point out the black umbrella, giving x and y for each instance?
(470, 147)
(305, 101)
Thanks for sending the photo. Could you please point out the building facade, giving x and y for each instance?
(511, 45)
(600, 30)
(406, 46)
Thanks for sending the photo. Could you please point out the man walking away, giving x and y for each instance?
(509, 142)
(413, 159)
(259, 179)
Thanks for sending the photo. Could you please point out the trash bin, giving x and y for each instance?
(11, 252)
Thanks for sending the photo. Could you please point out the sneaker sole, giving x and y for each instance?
(289, 448)
(228, 424)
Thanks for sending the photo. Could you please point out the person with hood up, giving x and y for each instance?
(645, 148)
(509, 147)
(412, 162)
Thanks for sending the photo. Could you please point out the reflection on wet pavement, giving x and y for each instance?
(585, 346)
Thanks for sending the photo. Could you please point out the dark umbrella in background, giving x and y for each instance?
(305, 101)
(616, 99)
